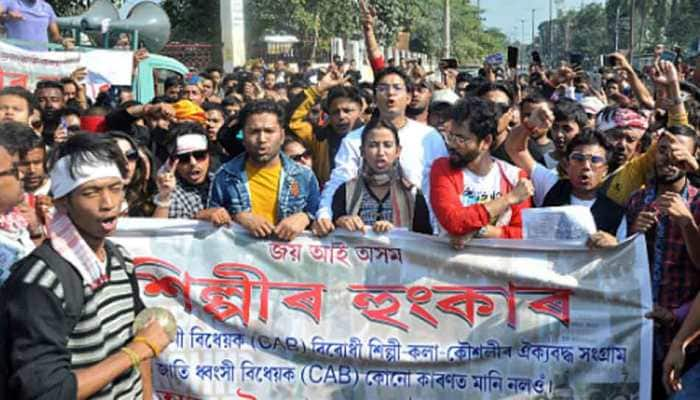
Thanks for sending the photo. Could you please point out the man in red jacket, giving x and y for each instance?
(472, 193)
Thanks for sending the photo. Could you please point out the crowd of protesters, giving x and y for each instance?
(280, 150)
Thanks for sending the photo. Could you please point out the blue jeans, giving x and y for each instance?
(691, 385)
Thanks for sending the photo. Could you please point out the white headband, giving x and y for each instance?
(63, 183)
(190, 143)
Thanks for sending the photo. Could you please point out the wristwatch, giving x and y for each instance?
(481, 232)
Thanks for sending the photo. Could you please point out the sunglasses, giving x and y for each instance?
(132, 155)
(582, 158)
(301, 156)
(198, 156)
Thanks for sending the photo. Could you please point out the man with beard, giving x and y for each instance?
(183, 182)
(343, 105)
(263, 190)
(420, 143)
(667, 212)
(418, 107)
(49, 95)
(472, 193)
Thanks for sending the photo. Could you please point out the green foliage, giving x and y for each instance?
(340, 18)
(194, 20)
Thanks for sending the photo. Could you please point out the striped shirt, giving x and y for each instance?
(98, 328)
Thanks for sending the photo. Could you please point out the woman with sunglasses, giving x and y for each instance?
(138, 183)
(294, 148)
(380, 197)
(184, 180)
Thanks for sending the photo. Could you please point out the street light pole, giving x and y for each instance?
(533, 28)
(446, 30)
(631, 29)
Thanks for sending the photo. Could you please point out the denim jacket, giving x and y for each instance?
(299, 191)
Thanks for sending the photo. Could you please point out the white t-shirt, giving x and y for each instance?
(575, 201)
(543, 179)
(481, 189)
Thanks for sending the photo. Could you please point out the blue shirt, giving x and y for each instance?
(33, 26)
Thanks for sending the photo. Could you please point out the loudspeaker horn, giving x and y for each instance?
(151, 22)
(92, 19)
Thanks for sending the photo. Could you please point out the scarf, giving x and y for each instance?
(68, 242)
(402, 197)
(379, 179)
(13, 222)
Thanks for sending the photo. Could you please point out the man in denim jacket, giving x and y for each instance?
(264, 191)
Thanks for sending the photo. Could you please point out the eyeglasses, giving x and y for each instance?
(299, 157)
(14, 171)
(198, 156)
(384, 87)
(458, 140)
(582, 158)
(132, 155)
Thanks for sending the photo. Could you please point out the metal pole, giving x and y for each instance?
(446, 30)
(631, 29)
(549, 41)
(533, 28)
(617, 29)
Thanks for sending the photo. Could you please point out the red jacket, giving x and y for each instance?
(446, 188)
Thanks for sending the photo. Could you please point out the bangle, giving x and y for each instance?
(135, 359)
(147, 342)
(159, 203)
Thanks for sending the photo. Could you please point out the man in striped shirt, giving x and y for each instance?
(67, 309)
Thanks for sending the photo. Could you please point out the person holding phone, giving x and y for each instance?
(184, 180)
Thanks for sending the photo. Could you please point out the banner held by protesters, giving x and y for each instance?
(391, 317)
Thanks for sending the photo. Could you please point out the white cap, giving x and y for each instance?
(592, 105)
(444, 96)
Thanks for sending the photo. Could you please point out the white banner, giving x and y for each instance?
(19, 67)
(392, 317)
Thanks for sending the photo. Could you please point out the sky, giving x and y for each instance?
(506, 15)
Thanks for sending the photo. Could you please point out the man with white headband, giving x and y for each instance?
(183, 181)
(67, 309)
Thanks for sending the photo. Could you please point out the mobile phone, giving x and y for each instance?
(575, 59)
(610, 61)
(512, 57)
(669, 56)
(449, 63)
(536, 57)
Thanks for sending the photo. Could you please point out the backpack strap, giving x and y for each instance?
(73, 289)
(113, 249)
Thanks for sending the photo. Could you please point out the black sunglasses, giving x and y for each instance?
(298, 157)
(198, 155)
